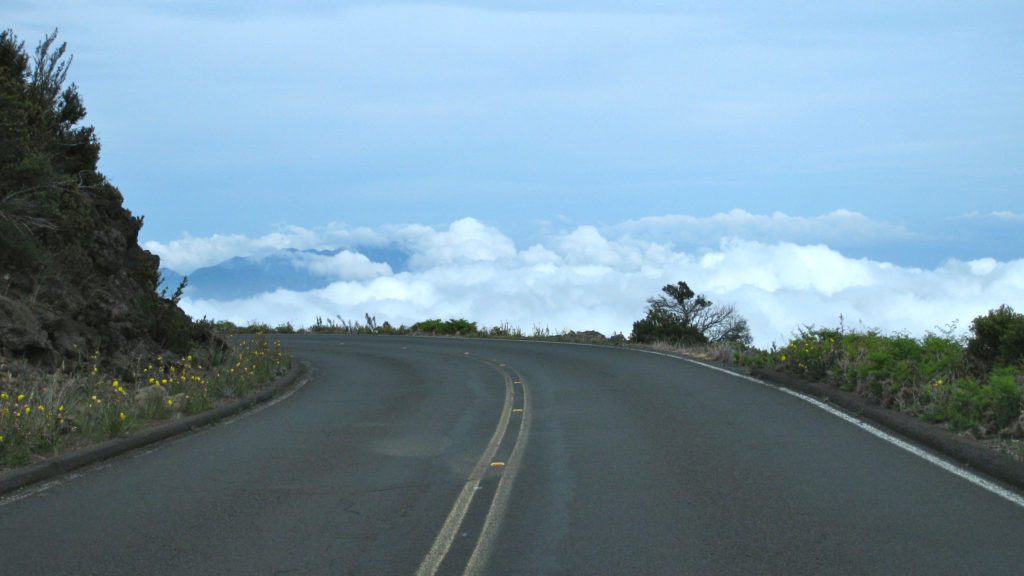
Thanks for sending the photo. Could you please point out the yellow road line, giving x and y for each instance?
(496, 514)
(443, 542)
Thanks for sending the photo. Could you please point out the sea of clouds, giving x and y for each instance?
(780, 271)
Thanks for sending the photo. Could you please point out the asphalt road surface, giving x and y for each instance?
(449, 456)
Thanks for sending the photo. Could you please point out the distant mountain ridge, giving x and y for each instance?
(246, 276)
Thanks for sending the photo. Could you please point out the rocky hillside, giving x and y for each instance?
(73, 279)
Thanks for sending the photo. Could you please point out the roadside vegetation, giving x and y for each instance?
(971, 384)
(430, 327)
(44, 413)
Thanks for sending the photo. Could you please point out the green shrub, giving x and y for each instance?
(813, 353)
(659, 326)
(452, 326)
(1003, 396)
(997, 338)
(285, 328)
(968, 403)
(256, 327)
(942, 357)
(959, 404)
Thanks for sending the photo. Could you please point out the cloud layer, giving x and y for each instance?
(591, 278)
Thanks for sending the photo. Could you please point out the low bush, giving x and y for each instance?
(450, 327)
(935, 377)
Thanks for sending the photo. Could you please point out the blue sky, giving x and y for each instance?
(642, 119)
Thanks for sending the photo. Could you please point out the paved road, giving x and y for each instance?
(454, 456)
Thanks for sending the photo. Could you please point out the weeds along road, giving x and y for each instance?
(416, 455)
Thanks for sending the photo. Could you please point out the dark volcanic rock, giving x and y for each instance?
(20, 330)
(93, 289)
(74, 281)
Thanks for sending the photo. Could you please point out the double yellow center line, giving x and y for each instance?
(516, 407)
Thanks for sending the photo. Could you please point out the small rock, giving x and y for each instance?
(177, 403)
(1014, 430)
(20, 330)
(151, 394)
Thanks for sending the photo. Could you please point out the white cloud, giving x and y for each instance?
(1004, 215)
(586, 245)
(786, 266)
(344, 265)
(585, 280)
(466, 240)
(187, 254)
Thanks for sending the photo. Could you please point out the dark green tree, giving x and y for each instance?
(45, 154)
(682, 316)
(997, 338)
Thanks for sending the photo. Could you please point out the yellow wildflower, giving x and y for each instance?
(122, 416)
(21, 397)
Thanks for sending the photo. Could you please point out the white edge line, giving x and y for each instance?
(928, 456)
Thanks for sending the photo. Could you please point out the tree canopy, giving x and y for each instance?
(44, 150)
(997, 338)
(682, 316)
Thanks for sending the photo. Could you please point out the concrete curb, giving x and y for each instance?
(59, 465)
(962, 450)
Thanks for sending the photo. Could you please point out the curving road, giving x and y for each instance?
(446, 456)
